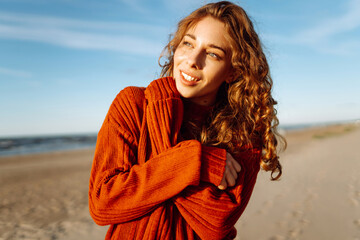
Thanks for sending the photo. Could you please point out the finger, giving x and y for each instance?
(230, 180)
(223, 184)
(233, 170)
(236, 165)
(230, 166)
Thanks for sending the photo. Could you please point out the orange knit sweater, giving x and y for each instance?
(148, 185)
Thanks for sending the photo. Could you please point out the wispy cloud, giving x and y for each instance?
(57, 22)
(14, 73)
(332, 26)
(331, 35)
(73, 33)
(183, 6)
(135, 5)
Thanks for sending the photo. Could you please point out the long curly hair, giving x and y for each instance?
(244, 114)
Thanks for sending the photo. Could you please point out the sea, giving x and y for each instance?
(42, 144)
(10, 146)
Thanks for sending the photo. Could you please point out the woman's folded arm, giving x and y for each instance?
(212, 212)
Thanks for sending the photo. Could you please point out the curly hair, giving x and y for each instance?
(244, 114)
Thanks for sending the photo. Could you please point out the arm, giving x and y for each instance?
(211, 212)
(121, 189)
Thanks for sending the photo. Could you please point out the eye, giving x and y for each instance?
(187, 44)
(214, 55)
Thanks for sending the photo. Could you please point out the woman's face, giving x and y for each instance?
(202, 61)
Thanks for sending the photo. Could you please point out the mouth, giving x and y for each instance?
(189, 78)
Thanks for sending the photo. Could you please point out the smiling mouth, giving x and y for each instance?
(188, 77)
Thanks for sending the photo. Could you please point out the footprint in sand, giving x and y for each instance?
(354, 202)
(294, 233)
(277, 237)
(357, 223)
(354, 194)
(297, 213)
(298, 217)
(267, 205)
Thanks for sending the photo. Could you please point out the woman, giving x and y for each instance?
(179, 159)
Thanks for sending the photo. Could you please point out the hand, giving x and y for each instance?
(232, 169)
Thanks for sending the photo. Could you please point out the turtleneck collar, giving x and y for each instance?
(195, 112)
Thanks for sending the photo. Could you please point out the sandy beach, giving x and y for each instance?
(44, 196)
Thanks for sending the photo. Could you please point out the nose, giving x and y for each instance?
(196, 59)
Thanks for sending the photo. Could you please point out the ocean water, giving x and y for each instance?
(42, 144)
(318, 124)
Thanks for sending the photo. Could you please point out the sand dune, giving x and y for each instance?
(44, 196)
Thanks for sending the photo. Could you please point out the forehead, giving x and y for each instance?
(210, 31)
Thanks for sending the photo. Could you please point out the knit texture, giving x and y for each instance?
(147, 184)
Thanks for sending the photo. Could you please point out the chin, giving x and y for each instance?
(184, 94)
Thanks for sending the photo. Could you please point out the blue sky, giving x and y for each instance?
(62, 62)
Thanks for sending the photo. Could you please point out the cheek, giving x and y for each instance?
(175, 63)
(176, 56)
(179, 55)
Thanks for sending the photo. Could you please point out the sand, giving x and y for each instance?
(44, 196)
(318, 196)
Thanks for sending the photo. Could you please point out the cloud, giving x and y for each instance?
(79, 34)
(14, 73)
(56, 22)
(330, 35)
(136, 6)
(332, 26)
(184, 7)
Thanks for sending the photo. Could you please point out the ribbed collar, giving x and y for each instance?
(195, 112)
(197, 115)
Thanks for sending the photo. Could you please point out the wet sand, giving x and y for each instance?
(44, 196)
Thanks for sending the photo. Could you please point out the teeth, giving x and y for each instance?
(188, 78)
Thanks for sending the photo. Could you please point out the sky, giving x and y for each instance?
(62, 62)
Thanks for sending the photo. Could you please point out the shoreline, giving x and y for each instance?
(29, 145)
(38, 154)
(45, 195)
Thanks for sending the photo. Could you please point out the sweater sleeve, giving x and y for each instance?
(121, 189)
(211, 212)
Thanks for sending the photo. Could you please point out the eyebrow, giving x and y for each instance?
(210, 45)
